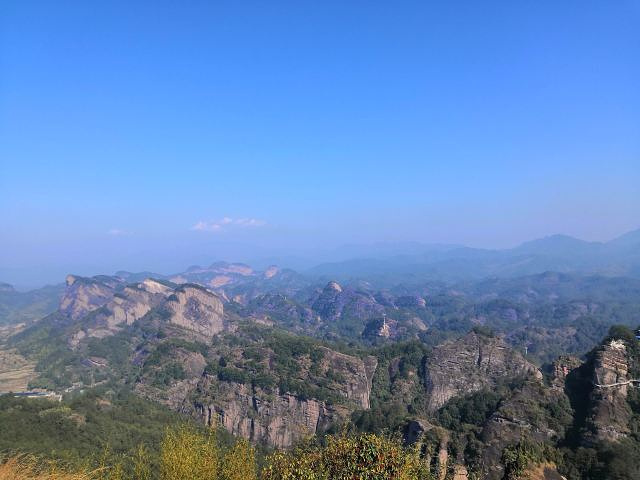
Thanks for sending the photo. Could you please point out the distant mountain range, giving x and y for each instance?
(558, 253)
(275, 356)
(379, 266)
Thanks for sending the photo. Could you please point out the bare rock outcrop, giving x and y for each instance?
(610, 412)
(278, 420)
(281, 418)
(562, 367)
(335, 302)
(126, 306)
(196, 308)
(518, 418)
(470, 364)
(84, 295)
(356, 374)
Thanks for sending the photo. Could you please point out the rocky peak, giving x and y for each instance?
(282, 418)
(196, 308)
(610, 413)
(333, 287)
(271, 271)
(103, 310)
(562, 367)
(232, 268)
(84, 295)
(125, 307)
(154, 286)
(469, 364)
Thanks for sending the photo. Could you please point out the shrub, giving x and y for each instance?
(188, 454)
(345, 457)
(238, 462)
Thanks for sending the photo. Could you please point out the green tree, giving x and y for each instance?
(188, 454)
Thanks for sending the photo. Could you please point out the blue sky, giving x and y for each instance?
(150, 135)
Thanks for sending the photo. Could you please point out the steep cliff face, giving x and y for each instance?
(83, 295)
(470, 364)
(102, 306)
(128, 305)
(534, 413)
(335, 302)
(277, 420)
(562, 367)
(274, 389)
(609, 417)
(197, 309)
(172, 381)
(279, 417)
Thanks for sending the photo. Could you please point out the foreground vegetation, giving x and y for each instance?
(189, 453)
(109, 434)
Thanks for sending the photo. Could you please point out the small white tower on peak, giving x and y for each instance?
(384, 330)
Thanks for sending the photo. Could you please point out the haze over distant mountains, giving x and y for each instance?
(390, 263)
(412, 343)
(560, 253)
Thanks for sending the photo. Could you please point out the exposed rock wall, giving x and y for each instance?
(518, 418)
(469, 364)
(278, 420)
(610, 413)
(281, 419)
(124, 308)
(197, 309)
(562, 367)
(357, 375)
(83, 295)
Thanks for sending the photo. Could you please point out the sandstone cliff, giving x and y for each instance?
(254, 388)
(277, 420)
(83, 295)
(280, 418)
(102, 306)
(470, 364)
(609, 417)
(336, 302)
(197, 309)
(533, 413)
(130, 304)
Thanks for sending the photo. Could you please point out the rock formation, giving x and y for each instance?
(195, 308)
(469, 364)
(335, 302)
(125, 307)
(83, 295)
(610, 413)
(282, 418)
(278, 420)
(562, 367)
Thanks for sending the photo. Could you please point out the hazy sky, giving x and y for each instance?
(156, 134)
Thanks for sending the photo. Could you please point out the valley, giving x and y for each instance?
(468, 371)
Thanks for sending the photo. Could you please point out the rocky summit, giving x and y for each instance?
(469, 376)
(472, 363)
(195, 308)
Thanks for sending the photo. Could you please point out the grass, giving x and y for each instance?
(25, 467)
